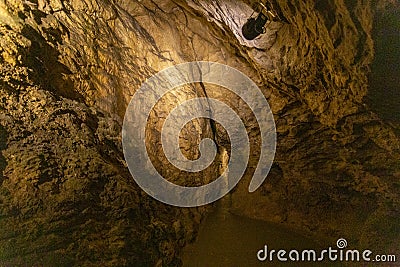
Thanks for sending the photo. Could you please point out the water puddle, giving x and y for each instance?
(225, 239)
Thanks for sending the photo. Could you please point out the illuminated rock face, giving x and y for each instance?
(69, 69)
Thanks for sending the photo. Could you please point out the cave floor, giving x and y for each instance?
(226, 239)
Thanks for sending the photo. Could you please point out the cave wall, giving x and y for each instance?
(70, 68)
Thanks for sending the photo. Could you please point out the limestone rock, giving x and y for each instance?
(69, 69)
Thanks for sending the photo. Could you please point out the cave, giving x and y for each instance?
(320, 83)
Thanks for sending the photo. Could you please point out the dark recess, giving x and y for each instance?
(384, 80)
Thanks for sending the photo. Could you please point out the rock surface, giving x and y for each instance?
(69, 69)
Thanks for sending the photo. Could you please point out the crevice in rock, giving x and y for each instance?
(383, 95)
